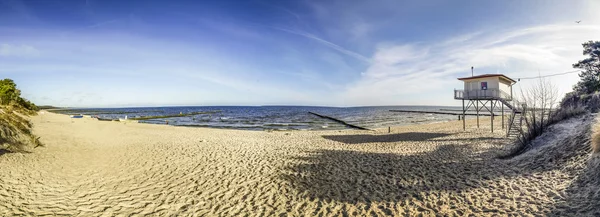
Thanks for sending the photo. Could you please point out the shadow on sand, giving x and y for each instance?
(357, 176)
(582, 196)
(354, 176)
(4, 151)
(399, 137)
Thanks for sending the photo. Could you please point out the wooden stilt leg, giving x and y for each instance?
(502, 105)
(477, 109)
(464, 124)
(492, 113)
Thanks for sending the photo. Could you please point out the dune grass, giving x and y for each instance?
(15, 131)
(596, 138)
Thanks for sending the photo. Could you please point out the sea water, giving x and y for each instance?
(276, 117)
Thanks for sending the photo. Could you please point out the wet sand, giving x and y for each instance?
(99, 168)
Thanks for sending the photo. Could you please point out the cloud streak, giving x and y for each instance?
(9, 50)
(326, 43)
(402, 70)
(131, 64)
(95, 25)
(310, 53)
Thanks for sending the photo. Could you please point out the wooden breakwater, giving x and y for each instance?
(99, 112)
(443, 113)
(339, 121)
(172, 116)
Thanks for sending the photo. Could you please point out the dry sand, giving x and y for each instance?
(95, 168)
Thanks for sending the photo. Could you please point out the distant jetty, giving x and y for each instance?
(98, 111)
(171, 116)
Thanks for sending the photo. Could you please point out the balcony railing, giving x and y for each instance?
(482, 94)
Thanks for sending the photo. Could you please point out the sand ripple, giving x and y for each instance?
(91, 168)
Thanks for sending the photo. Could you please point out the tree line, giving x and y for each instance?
(10, 95)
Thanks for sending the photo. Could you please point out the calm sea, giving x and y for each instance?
(276, 117)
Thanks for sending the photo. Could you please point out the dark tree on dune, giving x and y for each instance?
(590, 76)
(8, 91)
(10, 95)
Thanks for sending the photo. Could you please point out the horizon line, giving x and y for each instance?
(175, 106)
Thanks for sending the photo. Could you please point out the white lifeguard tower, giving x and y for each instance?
(495, 89)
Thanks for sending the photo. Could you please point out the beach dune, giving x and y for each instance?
(96, 168)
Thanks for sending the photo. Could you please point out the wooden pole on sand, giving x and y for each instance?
(463, 103)
(477, 109)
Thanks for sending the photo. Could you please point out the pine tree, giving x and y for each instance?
(590, 76)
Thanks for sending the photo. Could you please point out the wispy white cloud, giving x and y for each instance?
(95, 25)
(360, 30)
(327, 53)
(400, 71)
(326, 43)
(132, 65)
(289, 12)
(9, 50)
(229, 28)
(20, 8)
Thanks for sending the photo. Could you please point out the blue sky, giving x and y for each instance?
(92, 53)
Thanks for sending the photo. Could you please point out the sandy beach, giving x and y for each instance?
(97, 168)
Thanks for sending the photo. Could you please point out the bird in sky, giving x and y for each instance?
(579, 21)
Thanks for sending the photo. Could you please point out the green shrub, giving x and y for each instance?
(15, 130)
(11, 96)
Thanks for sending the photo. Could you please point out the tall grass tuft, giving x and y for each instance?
(594, 102)
(535, 127)
(15, 131)
(571, 105)
(596, 138)
(590, 101)
(15, 128)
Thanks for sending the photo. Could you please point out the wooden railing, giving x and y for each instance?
(482, 94)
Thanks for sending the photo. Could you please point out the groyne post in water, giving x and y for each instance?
(339, 121)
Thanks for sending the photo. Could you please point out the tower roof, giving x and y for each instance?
(488, 75)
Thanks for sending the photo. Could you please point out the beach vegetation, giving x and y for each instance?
(538, 101)
(596, 137)
(590, 102)
(15, 128)
(10, 96)
(537, 106)
(15, 131)
(590, 74)
(536, 121)
(47, 107)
